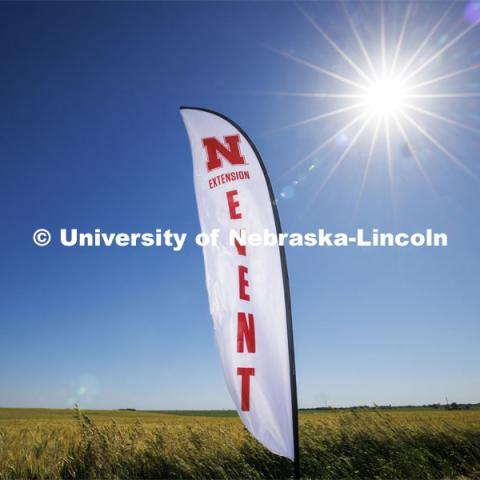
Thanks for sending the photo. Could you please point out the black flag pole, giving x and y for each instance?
(286, 290)
(291, 351)
(288, 311)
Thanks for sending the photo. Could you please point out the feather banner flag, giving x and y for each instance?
(247, 285)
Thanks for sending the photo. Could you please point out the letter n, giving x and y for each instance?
(216, 150)
(245, 332)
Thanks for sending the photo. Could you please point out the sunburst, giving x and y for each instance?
(385, 93)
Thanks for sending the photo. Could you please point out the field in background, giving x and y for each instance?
(383, 444)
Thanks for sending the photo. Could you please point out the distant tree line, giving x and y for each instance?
(449, 406)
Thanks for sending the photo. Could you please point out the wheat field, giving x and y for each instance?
(356, 444)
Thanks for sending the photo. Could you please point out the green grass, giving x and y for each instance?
(371, 444)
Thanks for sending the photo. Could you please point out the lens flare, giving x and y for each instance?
(390, 88)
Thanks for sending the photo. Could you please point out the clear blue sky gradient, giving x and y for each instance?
(91, 137)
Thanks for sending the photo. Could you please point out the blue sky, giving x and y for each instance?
(91, 137)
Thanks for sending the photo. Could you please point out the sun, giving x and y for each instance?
(385, 97)
(389, 87)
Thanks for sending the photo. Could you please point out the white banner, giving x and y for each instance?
(247, 285)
